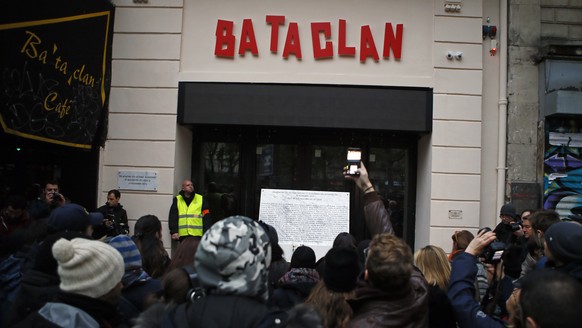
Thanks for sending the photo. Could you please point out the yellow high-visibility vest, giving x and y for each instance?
(190, 217)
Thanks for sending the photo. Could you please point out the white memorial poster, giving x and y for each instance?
(305, 217)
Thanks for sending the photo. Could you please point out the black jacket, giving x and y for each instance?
(218, 311)
(118, 215)
(75, 307)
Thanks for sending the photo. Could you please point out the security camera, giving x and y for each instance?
(459, 55)
(450, 55)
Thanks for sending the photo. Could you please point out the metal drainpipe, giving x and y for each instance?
(502, 137)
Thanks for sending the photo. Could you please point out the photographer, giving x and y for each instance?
(509, 229)
(462, 284)
(115, 217)
(49, 199)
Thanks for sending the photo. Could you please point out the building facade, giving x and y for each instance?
(190, 99)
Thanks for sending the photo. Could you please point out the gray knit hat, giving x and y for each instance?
(87, 267)
(233, 257)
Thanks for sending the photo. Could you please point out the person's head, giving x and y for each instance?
(90, 268)
(432, 261)
(344, 239)
(148, 225)
(176, 285)
(212, 187)
(187, 187)
(461, 239)
(73, 217)
(44, 260)
(15, 207)
(276, 250)
(546, 300)
(341, 269)
(507, 214)
(131, 258)
(526, 226)
(50, 188)
(542, 220)
(332, 306)
(389, 262)
(562, 242)
(113, 197)
(233, 257)
(184, 254)
(302, 316)
(303, 257)
(525, 214)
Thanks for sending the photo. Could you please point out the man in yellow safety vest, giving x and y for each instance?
(189, 214)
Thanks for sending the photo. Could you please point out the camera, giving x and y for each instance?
(354, 157)
(493, 252)
(56, 201)
(515, 226)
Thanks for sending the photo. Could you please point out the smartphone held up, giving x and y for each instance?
(354, 157)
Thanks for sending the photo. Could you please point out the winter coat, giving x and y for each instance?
(377, 218)
(36, 289)
(74, 310)
(462, 294)
(403, 308)
(218, 311)
(121, 225)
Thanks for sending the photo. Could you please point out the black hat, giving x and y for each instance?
(303, 257)
(564, 239)
(508, 210)
(341, 270)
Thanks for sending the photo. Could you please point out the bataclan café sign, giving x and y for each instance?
(225, 40)
(55, 65)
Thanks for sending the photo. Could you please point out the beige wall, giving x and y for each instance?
(160, 43)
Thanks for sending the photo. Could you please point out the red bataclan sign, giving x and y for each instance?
(225, 40)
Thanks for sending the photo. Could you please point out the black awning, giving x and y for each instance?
(302, 105)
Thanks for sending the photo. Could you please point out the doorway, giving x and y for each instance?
(240, 161)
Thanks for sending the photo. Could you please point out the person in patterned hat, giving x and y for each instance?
(232, 262)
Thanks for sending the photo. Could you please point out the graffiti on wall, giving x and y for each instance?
(563, 166)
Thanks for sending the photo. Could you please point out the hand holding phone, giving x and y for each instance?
(354, 158)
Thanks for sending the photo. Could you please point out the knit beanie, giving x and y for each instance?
(87, 267)
(233, 257)
(341, 269)
(508, 210)
(564, 240)
(303, 257)
(131, 259)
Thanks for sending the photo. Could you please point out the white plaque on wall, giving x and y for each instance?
(137, 180)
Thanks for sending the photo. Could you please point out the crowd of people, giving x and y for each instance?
(62, 266)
